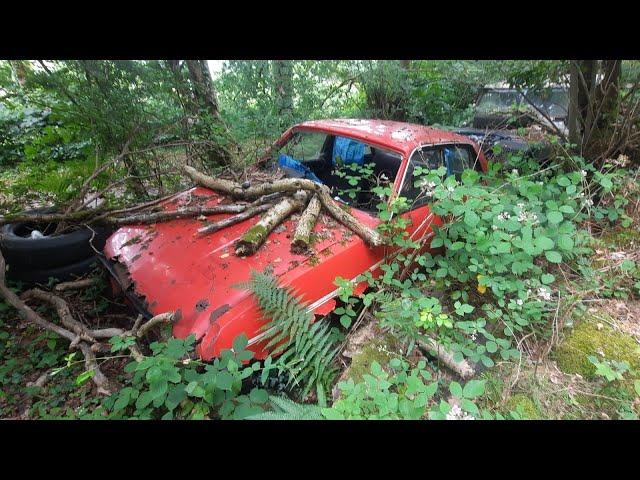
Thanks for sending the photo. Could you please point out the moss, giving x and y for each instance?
(621, 239)
(524, 405)
(587, 339)
(254, 235)
(382, 350)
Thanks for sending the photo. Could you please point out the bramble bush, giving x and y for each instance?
(491, 279)
(170, 384)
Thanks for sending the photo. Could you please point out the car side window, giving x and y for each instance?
(456, 159)
(428, 158)
(305, 146)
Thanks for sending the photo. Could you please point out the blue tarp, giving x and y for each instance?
(289, 162)
(347, 151)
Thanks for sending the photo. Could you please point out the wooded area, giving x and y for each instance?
(528, 306)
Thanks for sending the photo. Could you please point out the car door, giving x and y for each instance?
(456, 158)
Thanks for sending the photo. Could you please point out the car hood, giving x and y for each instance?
(172, 268)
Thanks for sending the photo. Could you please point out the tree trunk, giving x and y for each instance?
(203, 86)
(205, 97)
(594, 105)
(19, 71)
(283, 86)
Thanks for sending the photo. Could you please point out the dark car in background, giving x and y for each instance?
(499, 111)
(499, 144)
(498, 108)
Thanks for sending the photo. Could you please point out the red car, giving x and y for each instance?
(168, 267)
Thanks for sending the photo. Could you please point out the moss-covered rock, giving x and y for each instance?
(381, 349)
(592, 338)
(524, 405)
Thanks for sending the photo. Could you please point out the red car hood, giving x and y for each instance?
(175, 269)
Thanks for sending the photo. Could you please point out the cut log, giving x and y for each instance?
(462, 368)
(369, 235)
(308, 219)
(248, 213)
(249, 243)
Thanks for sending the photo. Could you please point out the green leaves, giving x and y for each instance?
(473, 388)
(403, 395)
(565, 242)
(547, 278)
(170, 385)
(543, 243)
(471, 218)
(553, 256)
(554, 217)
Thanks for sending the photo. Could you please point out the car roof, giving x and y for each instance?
(398, 136)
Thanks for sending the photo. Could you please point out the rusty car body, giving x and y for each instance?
(168, 267)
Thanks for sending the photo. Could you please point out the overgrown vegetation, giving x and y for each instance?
(532, 268)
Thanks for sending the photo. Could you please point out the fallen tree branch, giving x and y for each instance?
(248, 213)
(234, 189)
(308, 219)
(79, 336)
(182, 213)
(79, 216)
(77, 284)
(462, 368)
(289, 185)
(369, 235)
(256, 235)
(64, 313)
(166, 317)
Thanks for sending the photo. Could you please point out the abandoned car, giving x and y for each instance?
(169, 267)
(498, 108)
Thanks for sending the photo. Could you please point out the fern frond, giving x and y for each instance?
(305, 345)
(286, 409)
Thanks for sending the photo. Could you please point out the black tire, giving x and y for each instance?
(65, 273)
(21, 251)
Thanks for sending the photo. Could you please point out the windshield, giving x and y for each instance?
(350, 168)
(554, 102)
(496, 101)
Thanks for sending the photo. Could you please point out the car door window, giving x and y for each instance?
(428, 158)
(456, 159)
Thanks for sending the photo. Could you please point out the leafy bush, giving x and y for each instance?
(169, 384)
(403, 395)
